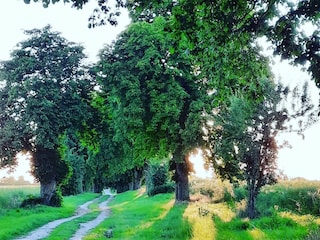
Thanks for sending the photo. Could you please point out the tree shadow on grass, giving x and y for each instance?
(171, 226)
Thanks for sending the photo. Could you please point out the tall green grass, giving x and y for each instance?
(12, 196)
(299, 196)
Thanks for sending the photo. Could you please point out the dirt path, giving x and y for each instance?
(86, 227)
(83, 209)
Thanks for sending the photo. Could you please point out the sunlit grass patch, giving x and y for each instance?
(201, 222)
(257, 234)
(304, 220)
(137, 216)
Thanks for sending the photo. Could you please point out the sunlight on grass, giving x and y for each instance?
(303, 220)
(137, 216)
(222, 211)
(257, 234)
(202, 225)
(166, 208)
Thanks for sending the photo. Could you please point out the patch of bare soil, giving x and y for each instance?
(83, 209)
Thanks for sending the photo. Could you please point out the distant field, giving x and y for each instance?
(11, 196)
(11, 186)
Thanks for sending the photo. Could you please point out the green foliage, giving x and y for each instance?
(240, 193)
(154, 100)
(152, 96)
(158, 179)
(313, 235)
(31, 201)
(44, 91)
(74, 154)
(245, 146)
(210, 26)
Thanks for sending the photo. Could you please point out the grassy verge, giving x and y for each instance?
(68, 229)
(137, 216)
(17, 222)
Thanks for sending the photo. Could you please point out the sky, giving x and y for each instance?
(302, 160)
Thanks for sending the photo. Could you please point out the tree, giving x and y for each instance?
(280, 21)
(75, 155)
(155, 101)
(244, 139)
(44, 91)
(221, 22)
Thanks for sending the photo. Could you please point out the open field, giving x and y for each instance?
(11, 196)
(288, 210)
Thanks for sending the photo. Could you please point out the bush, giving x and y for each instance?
(31, 201)
(165, 188)
(56, 200)
(240, 193)
(157, 179)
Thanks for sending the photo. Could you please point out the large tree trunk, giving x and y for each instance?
(182, 182)
(47, 191)
(50, 170)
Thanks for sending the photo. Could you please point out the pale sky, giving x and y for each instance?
(15, 16)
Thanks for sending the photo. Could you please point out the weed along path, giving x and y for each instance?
(83, 209)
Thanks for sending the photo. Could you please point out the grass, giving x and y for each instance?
(12, 196)
(214, 216)
(137, 216)
(68, 229)
(18, 221)
(299, 196)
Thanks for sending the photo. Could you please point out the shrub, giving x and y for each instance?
(157, 179)
(56, 200)
(165, 188)
(31, 201)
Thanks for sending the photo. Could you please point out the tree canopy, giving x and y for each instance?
(43, 92)
(155, 101)
(282, 22)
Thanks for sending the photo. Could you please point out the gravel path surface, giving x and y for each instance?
(83, 209)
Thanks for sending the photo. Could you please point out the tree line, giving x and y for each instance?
(183, 76)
